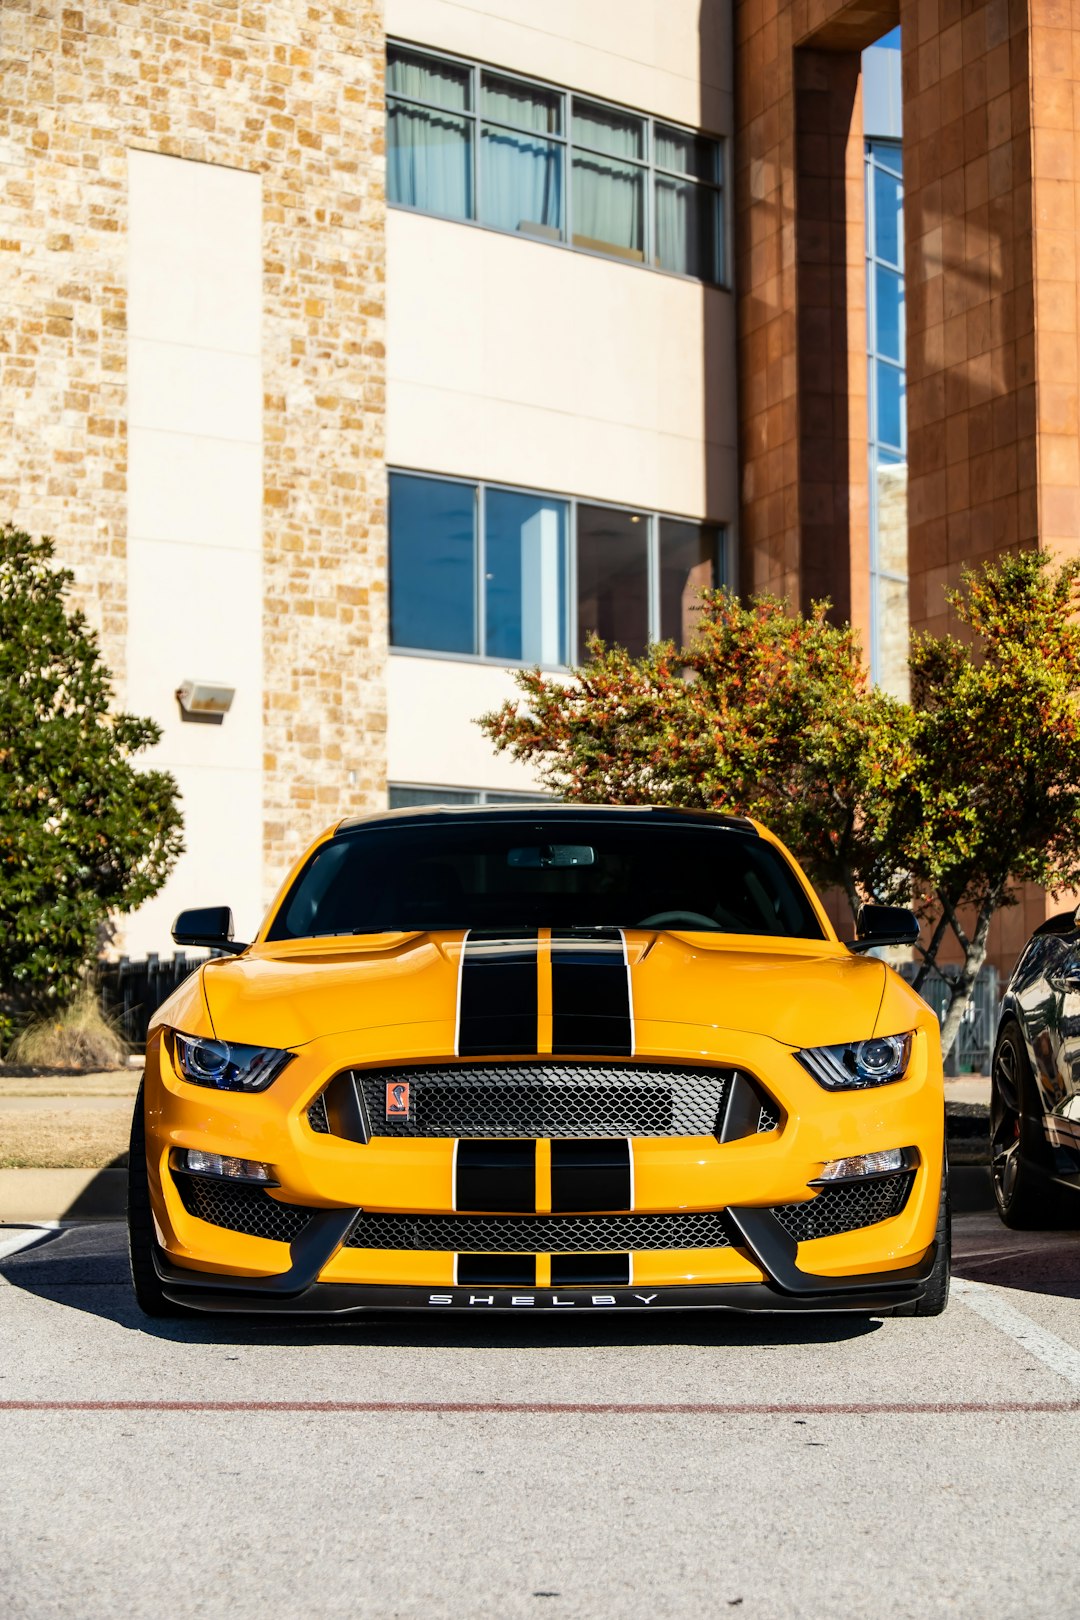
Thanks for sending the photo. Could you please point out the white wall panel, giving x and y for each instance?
(432, 704)
(195, 590)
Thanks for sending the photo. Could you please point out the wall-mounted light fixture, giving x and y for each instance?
(204, 702)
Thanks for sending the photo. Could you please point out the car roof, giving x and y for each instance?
(661, 815)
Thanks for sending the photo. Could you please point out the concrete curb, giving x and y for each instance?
(62, 1195)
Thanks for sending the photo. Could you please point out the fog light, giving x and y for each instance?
(887, 1161)
(218, 1164)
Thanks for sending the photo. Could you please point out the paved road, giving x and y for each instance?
(900, 1467)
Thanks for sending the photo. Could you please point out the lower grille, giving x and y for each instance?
(241, 1209)
(539, 1234)
(548, 1099)
(845, 1208)
(317, 1116)
(252, 1211)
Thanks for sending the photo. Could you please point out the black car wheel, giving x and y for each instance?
(1020, 1168)
(140, 1222)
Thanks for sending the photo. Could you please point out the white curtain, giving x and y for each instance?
(609, 191)
(429, 149)
(521, 173)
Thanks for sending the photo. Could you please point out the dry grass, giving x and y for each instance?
(65, 1139)
(26, 1083)
(78, 1037)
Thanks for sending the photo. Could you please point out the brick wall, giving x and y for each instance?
(293, 91)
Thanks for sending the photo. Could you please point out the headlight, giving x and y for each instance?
(860, 1064)
(224, 1065)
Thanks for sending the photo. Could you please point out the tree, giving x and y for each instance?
(994, 797)
(83, 832)
(770, 714)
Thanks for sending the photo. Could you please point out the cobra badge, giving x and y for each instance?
(397, 1099)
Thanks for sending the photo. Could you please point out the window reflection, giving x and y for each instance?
(613, 577)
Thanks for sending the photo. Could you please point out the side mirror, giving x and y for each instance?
(884, 925)
(211, 926)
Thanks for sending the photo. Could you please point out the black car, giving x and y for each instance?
(1035, 1083)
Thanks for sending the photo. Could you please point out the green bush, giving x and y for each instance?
(84, 833)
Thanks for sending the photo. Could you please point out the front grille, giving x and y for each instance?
(845, 1208)
(539, 1234)
(241, 1208)
(549, 1099)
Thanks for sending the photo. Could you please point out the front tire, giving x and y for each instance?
(936, 1297)
(1027, 1199)
(140, 1224)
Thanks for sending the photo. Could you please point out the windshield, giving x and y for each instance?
(564, 872)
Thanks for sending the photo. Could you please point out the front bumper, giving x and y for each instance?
(755, 1231)
(347, 1185)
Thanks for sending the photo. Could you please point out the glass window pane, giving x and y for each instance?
(429, 161)
(525, 106)
(613, 577)
(888, 217)
(605, 130)
(428, 78)
(689, 557)
(432, 564)
(688, 154)
(521, 183)
(525, 577)
(890, 405)
(609, 206)
(688, 228)
(890, 512)
(888, 335)
(893, 632)
(402, 798)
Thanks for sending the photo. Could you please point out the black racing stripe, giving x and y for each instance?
(590, 993)
(498, 1007)
(590, 1174)
(569, 1269)
(516, 1270)
(496, 1175)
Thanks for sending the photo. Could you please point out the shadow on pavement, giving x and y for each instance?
(85, 1268)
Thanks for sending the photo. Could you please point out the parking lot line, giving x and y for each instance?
(558, 1408)
(987, 1302)
(24, 1237)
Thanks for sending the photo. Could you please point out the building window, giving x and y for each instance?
(467, 142)
(886, 387)
(516, 576)
(409, 795)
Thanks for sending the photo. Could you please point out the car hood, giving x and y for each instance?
(421, 990)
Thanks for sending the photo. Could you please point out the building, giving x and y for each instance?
(355, 354)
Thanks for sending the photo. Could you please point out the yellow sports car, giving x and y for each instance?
(542, 1058)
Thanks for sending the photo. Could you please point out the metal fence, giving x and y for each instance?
(975, 1043)
(132, 992)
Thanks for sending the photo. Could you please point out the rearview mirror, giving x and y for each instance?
(541, 856)
(211, 926)
(884, 925)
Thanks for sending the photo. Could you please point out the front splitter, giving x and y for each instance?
(861, 1294)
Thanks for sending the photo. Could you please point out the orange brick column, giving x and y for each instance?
(801, 283)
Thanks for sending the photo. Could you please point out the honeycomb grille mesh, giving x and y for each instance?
(845, 1208)
(317, 1116)
(549, 1099)
(533, 1234)
(242, 1209)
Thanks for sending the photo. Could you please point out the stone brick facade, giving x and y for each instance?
(291, 90)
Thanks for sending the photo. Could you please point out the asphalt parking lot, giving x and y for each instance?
(421, 1466)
